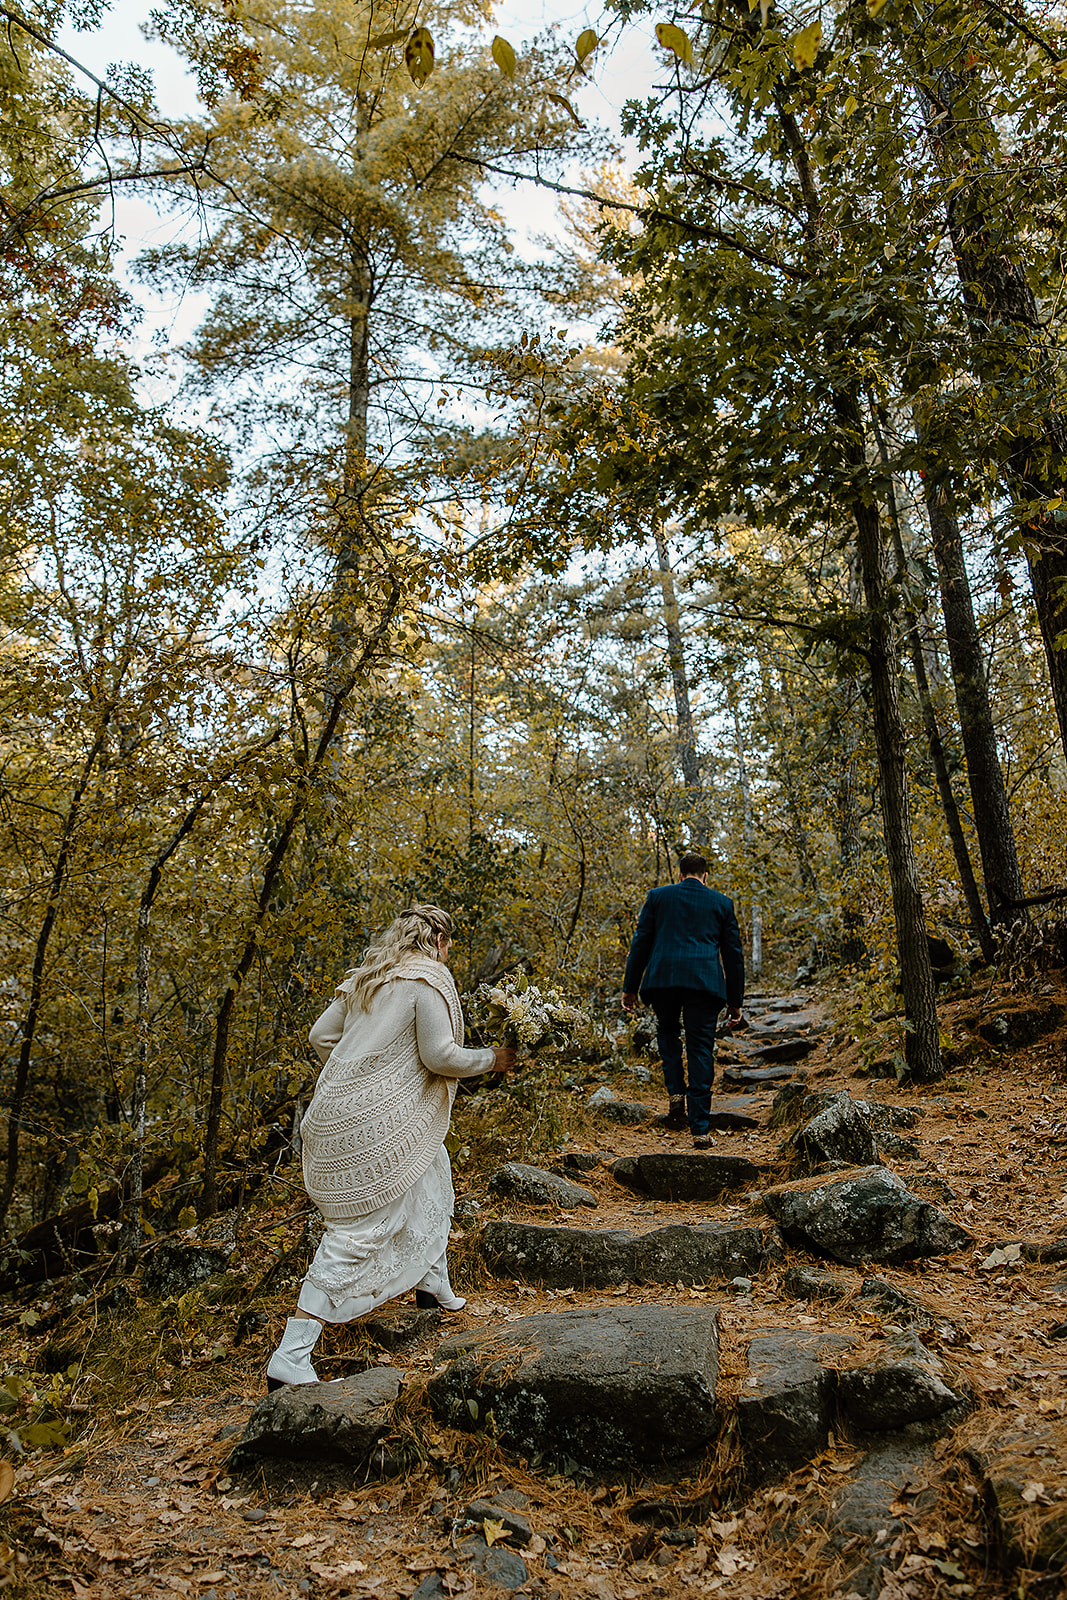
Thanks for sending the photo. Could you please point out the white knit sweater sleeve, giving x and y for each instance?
(326, 1032)
(437, 1048)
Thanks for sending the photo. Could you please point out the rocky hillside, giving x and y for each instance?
(825, 1358)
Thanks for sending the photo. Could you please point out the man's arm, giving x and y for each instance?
(640, 950)
(733, 961)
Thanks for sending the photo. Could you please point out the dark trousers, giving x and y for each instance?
(698, 1012)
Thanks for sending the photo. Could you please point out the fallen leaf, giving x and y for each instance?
(7, 1479)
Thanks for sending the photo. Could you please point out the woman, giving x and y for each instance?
(375, 1163)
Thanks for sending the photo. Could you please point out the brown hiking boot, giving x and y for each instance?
(676, 1118)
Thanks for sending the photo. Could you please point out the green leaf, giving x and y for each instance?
(419, 56)
(586, 43)
(504, 56)
(382, 41)
(80, 1179)
(874, 6)
(187, 1217)
(806, 45)
(472, 1407)
(675, 39)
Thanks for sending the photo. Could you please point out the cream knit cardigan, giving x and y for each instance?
(383, 1100)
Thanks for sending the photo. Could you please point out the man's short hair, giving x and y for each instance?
(692, 865)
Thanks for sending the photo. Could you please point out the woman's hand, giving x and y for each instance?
(503, 1059)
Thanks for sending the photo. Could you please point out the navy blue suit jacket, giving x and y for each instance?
(687, 938)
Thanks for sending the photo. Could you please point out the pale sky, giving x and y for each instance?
(626, 67)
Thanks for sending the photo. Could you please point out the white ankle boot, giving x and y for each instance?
(436, 1287)
(291, 1362)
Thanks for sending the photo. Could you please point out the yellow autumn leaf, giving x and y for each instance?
(851, 104)
(382, 41)
(874, 6)
(7, 1479)
(562, 101)
(676, 39)
(504, 56)
(586, 43)
(806, 45)
(418, 56)
(493, 1530)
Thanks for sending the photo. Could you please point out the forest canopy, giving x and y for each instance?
(732, 516)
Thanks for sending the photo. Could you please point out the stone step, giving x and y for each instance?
(590, 1258)
(685, 1175)
(602, 1386)
(864, 1215)
(533, 1186)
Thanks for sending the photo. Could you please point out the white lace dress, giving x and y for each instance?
(363, 1262)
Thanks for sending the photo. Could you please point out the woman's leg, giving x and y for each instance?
(435, 1290)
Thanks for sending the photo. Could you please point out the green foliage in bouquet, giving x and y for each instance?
(523, 1015)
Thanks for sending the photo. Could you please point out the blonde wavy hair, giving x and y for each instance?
(414, 932)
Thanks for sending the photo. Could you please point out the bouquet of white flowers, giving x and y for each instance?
(527, 1016)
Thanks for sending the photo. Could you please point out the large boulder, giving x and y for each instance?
(587, 1258)
(684, 1175)
(341, 1421)
(837, 1132)
(785, 1406)
(861, 1216)
(534, 1187)
(605, 1386)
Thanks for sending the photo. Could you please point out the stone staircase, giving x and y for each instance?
(626, 1376)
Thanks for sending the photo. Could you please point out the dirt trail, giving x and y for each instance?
(146, 1506)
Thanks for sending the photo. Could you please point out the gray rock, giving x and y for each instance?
(894, 1304)
(176, 1268)
(906, 1385)
(579, 1161)
(535, 1187)
(605, 1386)
(586, 1258)
(733, 1111)
(708, 1250)
(559, 1258)
(402, 1326)
(628, 1113)
(757, 1074)
(685, 1175)
(863, 1216)
(326, 1421)
(431, 1588)
(639, 1072)
(788, 1050)
(811, 1283)
(518, 1529)
(838, 1132)
(785, 1405)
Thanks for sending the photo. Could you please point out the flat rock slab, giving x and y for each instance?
(787, 1050)
(757, 1074)
(534, 1187)
(785, 1406)
(402, 1326)
(685, 1175)
(733, 1111)
(605, 1386)
(588, 1258)
(327, 1421)
(909, 1383)
(864, 1215)
(628, 1113)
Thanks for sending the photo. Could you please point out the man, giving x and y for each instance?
(687, 962)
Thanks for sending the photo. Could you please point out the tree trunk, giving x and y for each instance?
(985, 776)
(686, 735)
(756, 911)
(1010, 347)
(33, 1009)
(953, 822)
(922, 1054)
